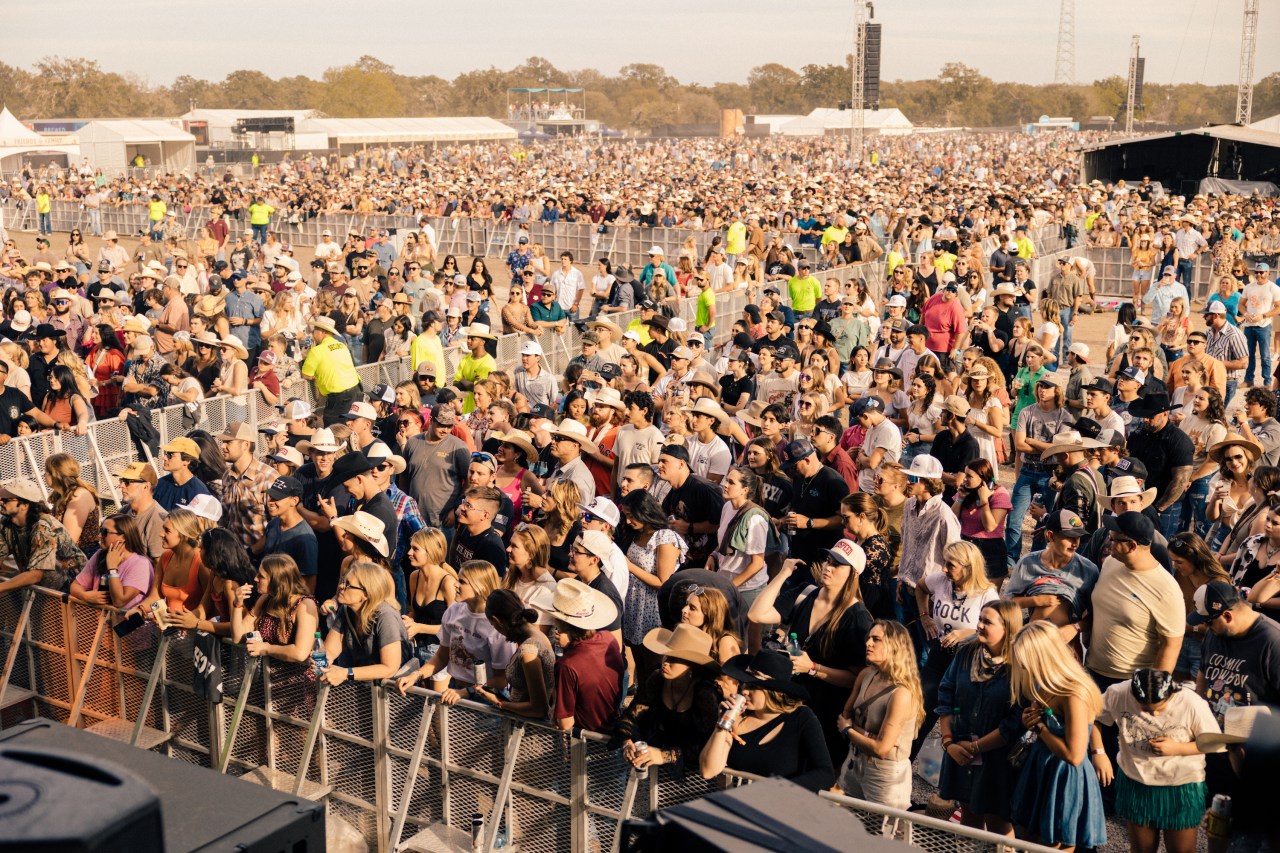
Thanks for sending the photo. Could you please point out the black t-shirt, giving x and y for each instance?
(782, 341)
(1162, 452)
(486, 545)
(731, 390)
(380, 506)
(777, 494)
(985, 339)
(374, 340)
(662, 351)
(697, 500)
(827, 310)
(1242, 670)
(954, 452)
(818, 496)
(603, 584)
(13, 405)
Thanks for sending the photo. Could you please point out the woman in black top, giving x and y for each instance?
(776, 734)
(479, 279)
(830, 625)
(676, 707)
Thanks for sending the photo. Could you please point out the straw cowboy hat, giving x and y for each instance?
(324, 324)
(135, 325)
(684, 643)
(1235, 440)
(212, 306)
(751, 414)
(236, 344)
(366, 526)
(571, 429)
(479, 330)
(520, 440)
(607, 396)
(321, 440)
(709, 407)
(577, 604)
(1123, 487)
(614, 329)
(1069, 441)
(205, 338)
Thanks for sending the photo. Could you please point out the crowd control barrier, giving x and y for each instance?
(406, 772)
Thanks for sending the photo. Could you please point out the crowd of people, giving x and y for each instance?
(794, 542)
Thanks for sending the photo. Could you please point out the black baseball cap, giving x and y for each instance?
(284, 487)
(799, 449)
(1132, 466)
(1134, 525)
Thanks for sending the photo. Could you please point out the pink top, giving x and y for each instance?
(971, 516)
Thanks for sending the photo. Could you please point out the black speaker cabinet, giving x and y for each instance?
(774, 815)
(64, 790)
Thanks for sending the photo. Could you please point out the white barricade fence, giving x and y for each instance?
(392, 767)
(1115, 274)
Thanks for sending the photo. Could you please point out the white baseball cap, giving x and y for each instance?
(206, 507)
(531, 348)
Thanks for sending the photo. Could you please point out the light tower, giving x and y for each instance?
(1248, 47)
(1064, 65)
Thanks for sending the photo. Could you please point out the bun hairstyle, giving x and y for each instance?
(506, 607)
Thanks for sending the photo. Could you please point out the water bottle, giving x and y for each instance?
(793, 646)
(319, 658)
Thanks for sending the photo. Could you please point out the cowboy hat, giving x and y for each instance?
(1235, 440)
(22, 489)
(236, 344)
(479, 330)
(1123, 487)
(324, 324)
(709, 407)
(577, 604)
(522, 441)
(1155, 403)
(1069, 441)
(364, 525)
(767, 669)
(206, 338)
(610, 397)
(349, 465)
(211, 305)
(707, 380)
(134, 325)
(685, 643)
(321, 440)
(613, 328)
(1237, 727)
(378, 452)
(751, 414)
(571, 429)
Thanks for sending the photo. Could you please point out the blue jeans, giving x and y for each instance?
(1184, 273)
(1193, 505)
(911, 451)
(1066, 315)
(1171, 355)
(1171, 520)
(1027, 484)
(46, 223)
(1231, 391)
(1258, 339)
(260, 233)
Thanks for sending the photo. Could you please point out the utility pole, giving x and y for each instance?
(1132, 101)
(1248, 47)
(1064, 65)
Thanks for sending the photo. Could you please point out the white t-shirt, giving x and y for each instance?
(710, 459)
(952, 609)
(1257, 300)
(1186, 716)
(325, 251)
(1050, 331)
(884, 434)
(471, 640)
(736, 563)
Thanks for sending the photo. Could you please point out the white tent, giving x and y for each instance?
(113, 144)
(355, 132)
(824, 120)
(1270, 125)
(218, 124)
(19, 143)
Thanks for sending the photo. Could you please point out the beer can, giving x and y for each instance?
(251, 637)
(1217, 821)
(642, 748)
(736, 703)
(482, 674)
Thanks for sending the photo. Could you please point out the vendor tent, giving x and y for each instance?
(347, 133)
(18, 144)
(113, 144)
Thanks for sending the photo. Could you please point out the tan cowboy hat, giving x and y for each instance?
(1235, 440)
(606, 396)
(212, 306)
(707, 406)
(614, 329)
(322, 440)
(522, 440)
(751, 414)
(707, 380)
(207, 338)
(236, 344)
(135, 325)
(1069, 441)
(685, 643)
(1123, 487)
(366, 526)
(577, 604)
(479, 330)
(379, 452)
(325, 324)
(1237, 727)
(569, 428)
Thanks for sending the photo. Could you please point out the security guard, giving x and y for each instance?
(329, 364)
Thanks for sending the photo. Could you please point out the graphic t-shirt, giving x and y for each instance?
(952, 609)
(1242, 670)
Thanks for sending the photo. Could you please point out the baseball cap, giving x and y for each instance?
(206, 507)
(1064, 522)
(444, 415)
(383, 392)
(605, 510)
(531, 348)
(1134, 525)
(361, 410)
(866, 404)
(239, 432)
(1131, 373)
(897, 301)
(794, 451)
(1215, 308)
(542, 410)
(297, 410)
(427, 368)
(1132, 466)
(138, 471)
(1100, 385)
(184, 446)
(284, 487)
(1212, 600)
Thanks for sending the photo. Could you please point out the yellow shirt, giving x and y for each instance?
(157, 210)
(1026, 249)
(893, 260)
(638, 326)
(944, 262)
(474, 369)
(43, 203)
(329, 363)
(427, 347)
(735, 239)
(834, 234)
(260, 214)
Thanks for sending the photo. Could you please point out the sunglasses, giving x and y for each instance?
(588, 517)
(350, 585)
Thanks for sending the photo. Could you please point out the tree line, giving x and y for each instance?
(640, 97)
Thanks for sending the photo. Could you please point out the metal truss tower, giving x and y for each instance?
(1248, 47)
(1132, 100)
(1064, 65)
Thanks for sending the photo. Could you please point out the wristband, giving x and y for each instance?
(1097, 752)
(845, 731)
(351, 673)
(947, 741)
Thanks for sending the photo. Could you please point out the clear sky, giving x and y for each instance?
(704, 41)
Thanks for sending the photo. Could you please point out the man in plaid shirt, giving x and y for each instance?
(244, 485)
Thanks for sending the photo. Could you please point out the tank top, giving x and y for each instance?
(512, 491)
(182, 597)
(871, 706)
(428, 614)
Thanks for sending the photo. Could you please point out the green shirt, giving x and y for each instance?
(1026, 391)
(805, 293)
(706, 301)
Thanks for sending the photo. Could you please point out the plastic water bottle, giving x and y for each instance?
(793, 646)
(319, 658)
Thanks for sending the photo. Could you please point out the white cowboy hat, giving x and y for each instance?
(322, 440)
(366, 526)
(570, 428)
(1122, 487)
(1069, 441)
(579, 605)
(479, 330)
(378, 451)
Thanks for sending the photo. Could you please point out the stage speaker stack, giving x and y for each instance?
(871, 67)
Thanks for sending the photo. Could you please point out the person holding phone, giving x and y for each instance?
(120, 573)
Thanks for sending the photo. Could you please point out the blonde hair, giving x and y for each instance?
(64, 478)
(1043, 669)
(378, 589)
(481, 576)
(715, 616)
(1011, 616)
(16, 354)
(536, 544)
(967, 555)
(187, 524)
(900, 667)
(563, 510)
(433, 544)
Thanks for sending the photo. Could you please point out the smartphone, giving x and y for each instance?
(129, 625)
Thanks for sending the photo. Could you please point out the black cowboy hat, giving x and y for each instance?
(767, 669)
